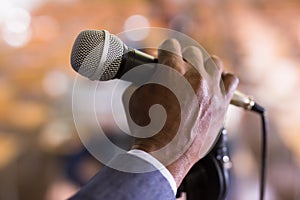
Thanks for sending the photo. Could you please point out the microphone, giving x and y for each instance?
(99, 55)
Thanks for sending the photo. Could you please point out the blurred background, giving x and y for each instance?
(41, 156)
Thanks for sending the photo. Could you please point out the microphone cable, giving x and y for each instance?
(253, 106)
(260, 110)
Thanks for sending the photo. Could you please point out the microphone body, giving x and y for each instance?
(99, 55)
(133, 58)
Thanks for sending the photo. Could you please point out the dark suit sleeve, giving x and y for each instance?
(112, 184)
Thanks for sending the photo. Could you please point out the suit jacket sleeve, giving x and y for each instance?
(112, 184)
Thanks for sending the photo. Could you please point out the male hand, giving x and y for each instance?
(195, 96)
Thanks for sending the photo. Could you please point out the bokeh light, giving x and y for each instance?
(16, 27)
(135, 22)
(56, 83)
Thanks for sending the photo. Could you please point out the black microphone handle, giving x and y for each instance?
(133, 58)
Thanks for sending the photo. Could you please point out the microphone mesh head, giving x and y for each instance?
(97, 54)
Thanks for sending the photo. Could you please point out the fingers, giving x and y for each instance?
(194, 68)
(230, 84)
(169, 53)
(194, 56)
(214, 67)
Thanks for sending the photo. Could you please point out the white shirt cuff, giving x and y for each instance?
(158, 165)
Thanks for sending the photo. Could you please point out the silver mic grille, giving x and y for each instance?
(97, 54)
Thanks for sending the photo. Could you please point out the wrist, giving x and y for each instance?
(179, 169)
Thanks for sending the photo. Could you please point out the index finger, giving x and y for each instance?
(169, 53)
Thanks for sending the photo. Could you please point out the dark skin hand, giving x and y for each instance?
(192, 123)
